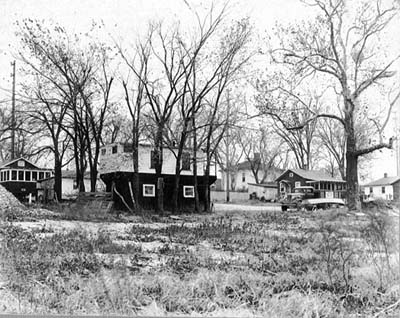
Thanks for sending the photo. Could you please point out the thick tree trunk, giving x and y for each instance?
(57, 178)
(353, 199)
(136, 180)
(177, 180)
(93, 178)
(207, 202)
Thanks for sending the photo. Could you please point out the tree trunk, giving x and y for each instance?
(207, 202)
(93, 178)
(353, 199)
(57, 178)
(136, 180)
(158, 167)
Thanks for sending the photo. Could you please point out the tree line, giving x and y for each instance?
(321, 85)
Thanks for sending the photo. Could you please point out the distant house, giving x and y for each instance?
(116, 170)
(325, 186)
(20, 176)
(68, 184)
(387, 188)
(244, 174)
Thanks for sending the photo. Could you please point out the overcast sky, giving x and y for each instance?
(128, 18)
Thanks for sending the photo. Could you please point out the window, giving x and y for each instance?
(149, 190)
(21, 175)
(103, 151)
(186, 161)
(74, 185)
(13, 175)
(1, 176)
(8, 175)
(290, 174)
(297, 184)
(34, 175)
(370, 190)
(115, 149)
(21, 163)
(27, 176)
(41, 175)
(243, 177)
(188, 191)
(383, 189)
(153, 159)
(48, 175)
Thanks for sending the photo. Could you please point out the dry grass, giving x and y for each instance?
(323, 264)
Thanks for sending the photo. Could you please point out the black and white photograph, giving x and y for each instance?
(200, 158)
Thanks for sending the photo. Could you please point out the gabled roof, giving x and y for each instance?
(383, 181)
(6, 163)
(265, 184)
(313, 175)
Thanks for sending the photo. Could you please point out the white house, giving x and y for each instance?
(386, 188)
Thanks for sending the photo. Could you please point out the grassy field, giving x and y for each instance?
(232, 263)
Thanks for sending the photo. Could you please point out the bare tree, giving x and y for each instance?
(341, 48)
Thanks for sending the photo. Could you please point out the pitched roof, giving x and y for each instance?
(383, 181)
(313, 175)
(8, 162)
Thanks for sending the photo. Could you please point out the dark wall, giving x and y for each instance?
(122, 180)
(20, 189)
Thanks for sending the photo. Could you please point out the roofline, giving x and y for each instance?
(14, 160)
(308, 179)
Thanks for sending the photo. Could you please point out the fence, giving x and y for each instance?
(234, 196)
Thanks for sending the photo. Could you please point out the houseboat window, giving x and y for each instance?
(1, 176)
(103, 151)
(27, 176)
(34, 175)
(48, 174)
(153, 159)
(41, 175)
(20, 175)
(316, 186)
(13, 175)
(149, 190)
(297, 184)
(188, 191)
(8, 175)
(115, 149)
(186, 161)
(21, 163)
(383, 189)
(290, 174)
(243, 177)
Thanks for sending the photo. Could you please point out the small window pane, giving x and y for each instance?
(27, 176)
(153, 159)
(186, 161)
(47, 175)
(20, 175)
(34, 176)
(188, 192)
(13, 175)
(8, 175)
(148, 190)
(114, 149)
(41, 175)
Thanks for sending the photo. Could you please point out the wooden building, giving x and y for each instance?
(19, 176)
(324, 185)
(116, 171)
(386, 188)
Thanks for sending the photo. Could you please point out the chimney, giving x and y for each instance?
(385, 175)
(257, 156)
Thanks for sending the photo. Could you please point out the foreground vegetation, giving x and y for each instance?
(321, 264)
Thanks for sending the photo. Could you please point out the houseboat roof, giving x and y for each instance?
(312, 175)
(383, 181)
(9, 162)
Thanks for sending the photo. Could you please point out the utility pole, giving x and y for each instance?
(13, 114)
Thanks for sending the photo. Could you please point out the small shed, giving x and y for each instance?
(264, 191)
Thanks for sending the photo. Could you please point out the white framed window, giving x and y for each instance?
(297, 184)
(21, 163)
(290, 174)
(149, 190)
(188, 191)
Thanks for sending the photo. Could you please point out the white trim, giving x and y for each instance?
(153, 187)
(187, 188)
